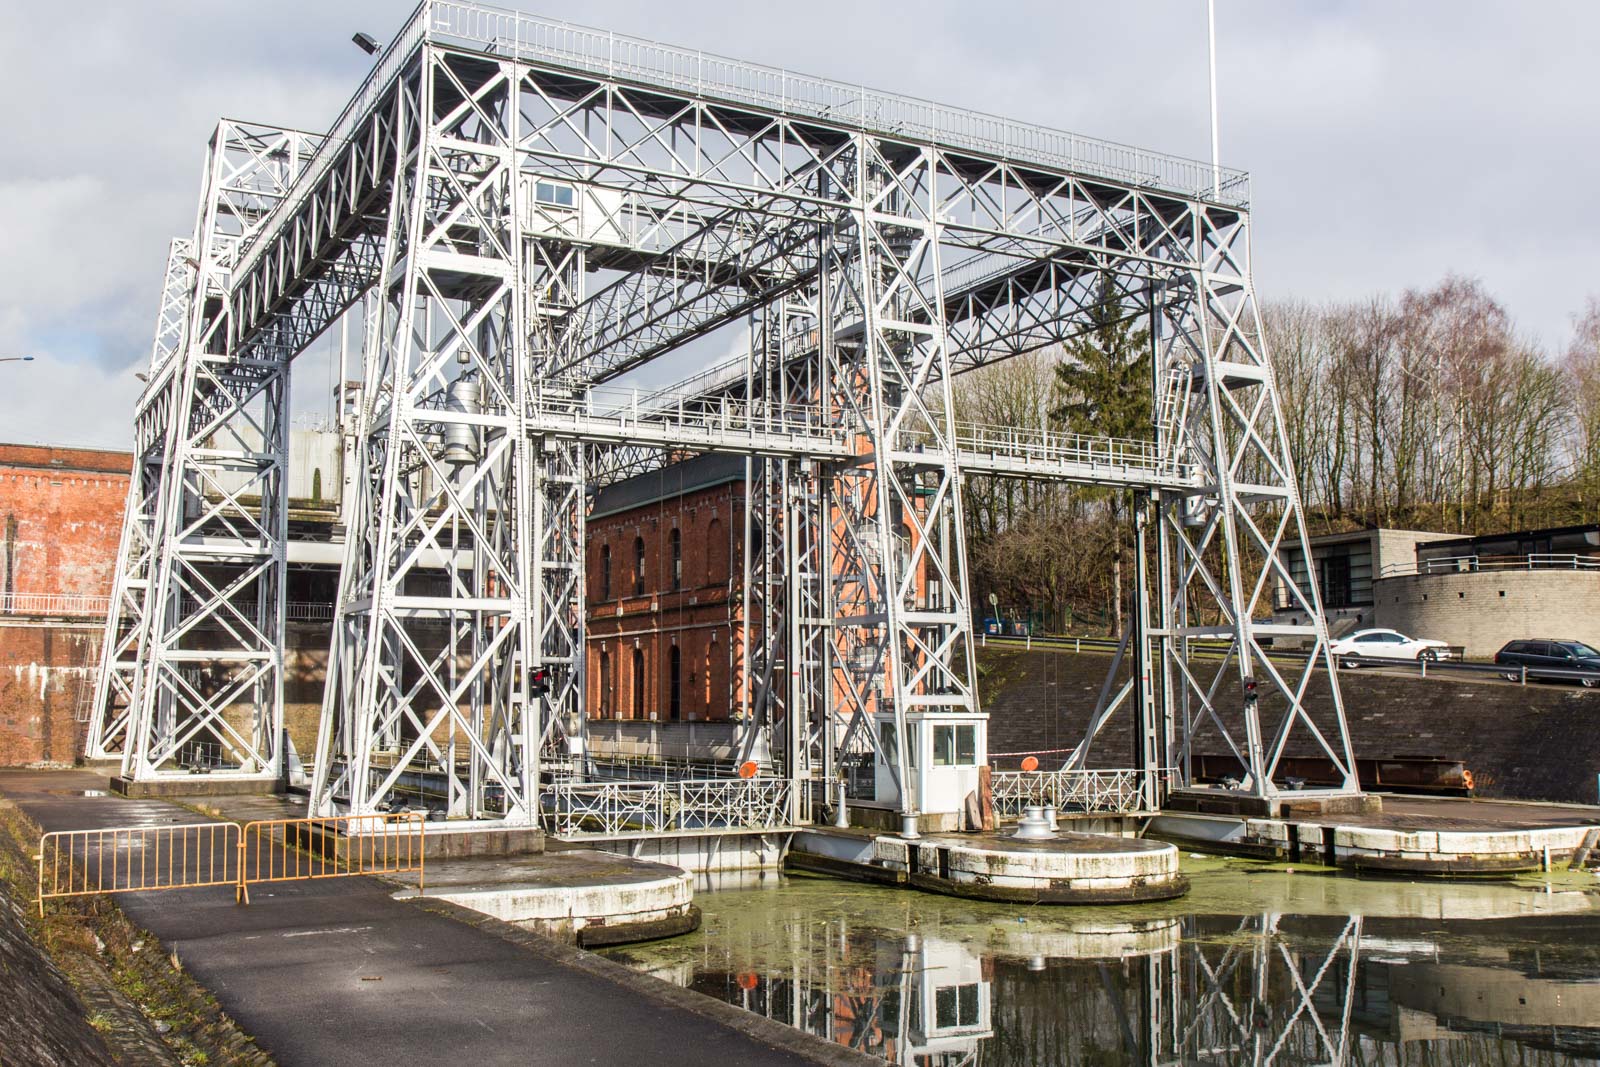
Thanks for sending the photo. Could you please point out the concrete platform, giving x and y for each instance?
(580, 896)
(337, 971)
(1073, 868)
(1426, 836)
(194, 785)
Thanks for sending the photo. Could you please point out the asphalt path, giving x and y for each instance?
(337, 972)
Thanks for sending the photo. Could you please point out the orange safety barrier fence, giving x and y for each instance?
(131, 859)
(284, 850)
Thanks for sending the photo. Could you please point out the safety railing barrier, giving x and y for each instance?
(634, 768)
(609, 809)
(287, 850)
(1199, 649)
(138, 859)
(54, 604)
(718, 419)
(1115, 792)
(787, 93)
(1533, 561)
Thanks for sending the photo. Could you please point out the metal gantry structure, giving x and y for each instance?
(533, 211)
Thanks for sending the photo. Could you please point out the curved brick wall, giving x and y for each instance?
(1483, 610)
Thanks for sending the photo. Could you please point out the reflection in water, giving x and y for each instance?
(941, 985)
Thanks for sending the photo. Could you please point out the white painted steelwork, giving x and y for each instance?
(621, 809)
(532, 210)
(1111, 792)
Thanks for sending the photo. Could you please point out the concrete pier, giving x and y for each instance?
(1425, 836)
(1072, 868)
(580, 896)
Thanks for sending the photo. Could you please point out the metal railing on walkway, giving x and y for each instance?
(54, 605)
(138, 859)
(1424, 668)
(1108, 792)
(612, 809)
(1533, 561)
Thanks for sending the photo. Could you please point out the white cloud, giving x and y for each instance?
(51, 401)
(1390, 143)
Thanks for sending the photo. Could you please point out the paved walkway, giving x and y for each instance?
(338, 972)
(1473, 814)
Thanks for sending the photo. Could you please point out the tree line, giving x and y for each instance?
(1427, 410)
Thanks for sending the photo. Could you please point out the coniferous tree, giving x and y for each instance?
(1103, 388)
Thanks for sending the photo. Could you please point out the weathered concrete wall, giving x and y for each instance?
(43, 669)
(1538, 742)
(1482, 610)
(42, 1021)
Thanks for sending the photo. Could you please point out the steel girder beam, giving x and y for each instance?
(714, 199)
(430, 668)
(125, 629)
(896, 553)
(208, 687)
(1219, 549)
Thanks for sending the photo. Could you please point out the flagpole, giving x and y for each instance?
(1211, 53)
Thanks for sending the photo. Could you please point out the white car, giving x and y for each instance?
(1387, 644)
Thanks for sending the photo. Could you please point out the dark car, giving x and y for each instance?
(1542, 657)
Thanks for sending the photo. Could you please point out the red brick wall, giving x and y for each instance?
(43, 669)
(700, 618)
(60, 518)
(60, 521)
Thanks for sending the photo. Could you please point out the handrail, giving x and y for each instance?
(665, 806)
(619, 55)
(1473, 563)
(1081, 791)
(707, 75)
(376, 83)
(54, 604)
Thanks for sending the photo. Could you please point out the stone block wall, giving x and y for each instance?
(1482, 610)
(1534, 742)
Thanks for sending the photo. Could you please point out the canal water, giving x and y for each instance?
(1259, 964)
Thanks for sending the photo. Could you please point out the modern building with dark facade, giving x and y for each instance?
(1477, 592)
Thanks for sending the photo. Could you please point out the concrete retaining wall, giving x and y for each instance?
(1482, 610)
(1535, 742)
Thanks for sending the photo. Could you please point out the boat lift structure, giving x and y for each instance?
(520, 213)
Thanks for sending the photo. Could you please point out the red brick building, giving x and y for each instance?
(665, 618)
(60, 521)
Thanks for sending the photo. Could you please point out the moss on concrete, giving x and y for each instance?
(133, 996)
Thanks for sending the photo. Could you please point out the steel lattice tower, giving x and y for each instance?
(534, 211)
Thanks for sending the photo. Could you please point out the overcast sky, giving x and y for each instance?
(1390, 141)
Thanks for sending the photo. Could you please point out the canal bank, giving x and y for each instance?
(339, 971)
(1258, 957)
(1520, 742)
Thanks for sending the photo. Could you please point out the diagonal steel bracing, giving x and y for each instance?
(536, 210)
(212, 432)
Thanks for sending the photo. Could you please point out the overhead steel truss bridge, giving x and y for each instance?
(517, 213)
